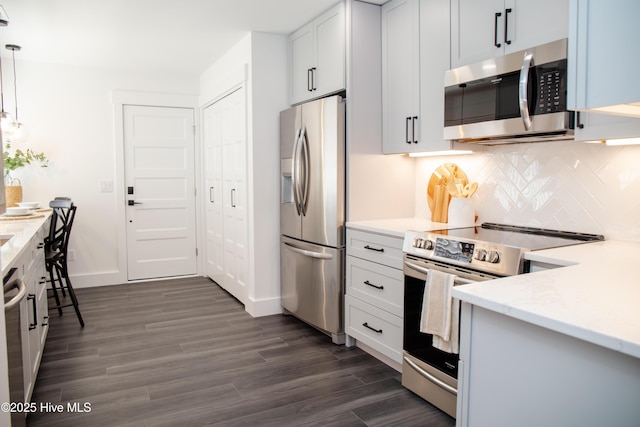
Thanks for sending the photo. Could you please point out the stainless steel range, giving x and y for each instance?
(471, 254)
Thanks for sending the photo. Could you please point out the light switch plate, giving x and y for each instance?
(106, 186)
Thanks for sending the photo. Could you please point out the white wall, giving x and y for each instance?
(566, 185)
(69, 115)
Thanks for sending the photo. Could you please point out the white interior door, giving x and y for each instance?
(226, 179)
(159, 173)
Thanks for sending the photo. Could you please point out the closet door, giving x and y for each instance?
(225, 147)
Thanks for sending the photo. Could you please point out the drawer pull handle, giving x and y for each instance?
(368, 283)
(374, 249)
(377, 331)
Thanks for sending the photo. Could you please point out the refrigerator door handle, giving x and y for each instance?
(296, 172)
(311, 254)
(307, 171)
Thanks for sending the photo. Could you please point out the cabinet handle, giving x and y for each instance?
(374, 249)
(313, 79)
(406, 130)
(495, 29)
(413, 129)
(506, 25)
(40, 245)
(368, 283)
(377, 331)
(233, 197)
(579, 123)
(309, 79)
(43, 280)
(44, 321)
(33, 325)
(211, 194)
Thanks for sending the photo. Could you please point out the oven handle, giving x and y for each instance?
(431, 378)
(421, 269)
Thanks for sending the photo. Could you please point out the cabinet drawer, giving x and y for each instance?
(374, 327)
(376, 284)
(375, 247)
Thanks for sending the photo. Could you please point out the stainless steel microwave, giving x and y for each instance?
(519, 97)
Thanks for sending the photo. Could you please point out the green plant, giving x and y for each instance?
(21, 158)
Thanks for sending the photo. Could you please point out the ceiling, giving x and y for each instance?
(183, 37)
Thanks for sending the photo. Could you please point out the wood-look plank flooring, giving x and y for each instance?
(184, 352)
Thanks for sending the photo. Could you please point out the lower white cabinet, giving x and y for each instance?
(374, 294)
(34, 318)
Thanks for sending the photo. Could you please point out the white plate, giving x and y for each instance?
(30, 205)
(17, 215)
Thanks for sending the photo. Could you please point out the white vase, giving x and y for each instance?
(462, 212)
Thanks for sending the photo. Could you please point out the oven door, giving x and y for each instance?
(428, 371)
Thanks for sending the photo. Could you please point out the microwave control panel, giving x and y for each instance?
(552, 88)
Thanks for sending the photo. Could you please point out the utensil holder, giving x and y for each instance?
(462, 212)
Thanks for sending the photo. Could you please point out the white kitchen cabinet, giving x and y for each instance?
(317, 57)
(33, 309)
(400, 76)
(510, 369)
(415, 56)
(597, 127)
(226, 197)
(602, 56)
(374, 294)
(482, 29)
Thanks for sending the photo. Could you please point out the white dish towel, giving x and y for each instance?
(441, 312)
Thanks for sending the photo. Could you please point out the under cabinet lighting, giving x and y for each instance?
(623, 141)
(440, 153)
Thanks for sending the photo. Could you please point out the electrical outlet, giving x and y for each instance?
(71, 255)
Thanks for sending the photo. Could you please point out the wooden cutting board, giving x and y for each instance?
(441, 177)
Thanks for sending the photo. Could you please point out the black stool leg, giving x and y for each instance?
(72, 294)
(52, 279)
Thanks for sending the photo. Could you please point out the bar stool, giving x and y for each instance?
(56, 244)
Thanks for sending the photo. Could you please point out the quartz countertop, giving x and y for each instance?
(21, 232)
(396, 227)
(593, 296)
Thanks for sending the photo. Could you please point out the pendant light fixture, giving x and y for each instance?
(15, 129)
(5, 118)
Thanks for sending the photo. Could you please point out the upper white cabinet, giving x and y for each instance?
(482, 29)
(415, 56)
(317, 57)
(603, 52)
(400, 76)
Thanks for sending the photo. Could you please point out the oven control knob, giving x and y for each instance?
(417, 242)
(429, 245)
(494, 257)
(481, 255)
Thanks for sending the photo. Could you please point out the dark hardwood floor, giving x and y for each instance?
(185, 353)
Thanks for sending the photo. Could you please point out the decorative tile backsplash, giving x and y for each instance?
(565, 185)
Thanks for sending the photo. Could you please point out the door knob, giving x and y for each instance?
(133, 202)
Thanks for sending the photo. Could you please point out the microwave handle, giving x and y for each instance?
(522, 90)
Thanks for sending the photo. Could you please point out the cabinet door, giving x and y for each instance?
(434, 62)
(400, 74)
(329, 75)
(301, 62)
(226, 195)
(234, 195)
(527, 18)
(477, 30)
(603, 50)
(213, 120)
(596, 127)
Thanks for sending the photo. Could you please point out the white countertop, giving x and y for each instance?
(21, 231)
(396, 227)
(595, 297)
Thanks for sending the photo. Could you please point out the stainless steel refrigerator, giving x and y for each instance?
(312, 213)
